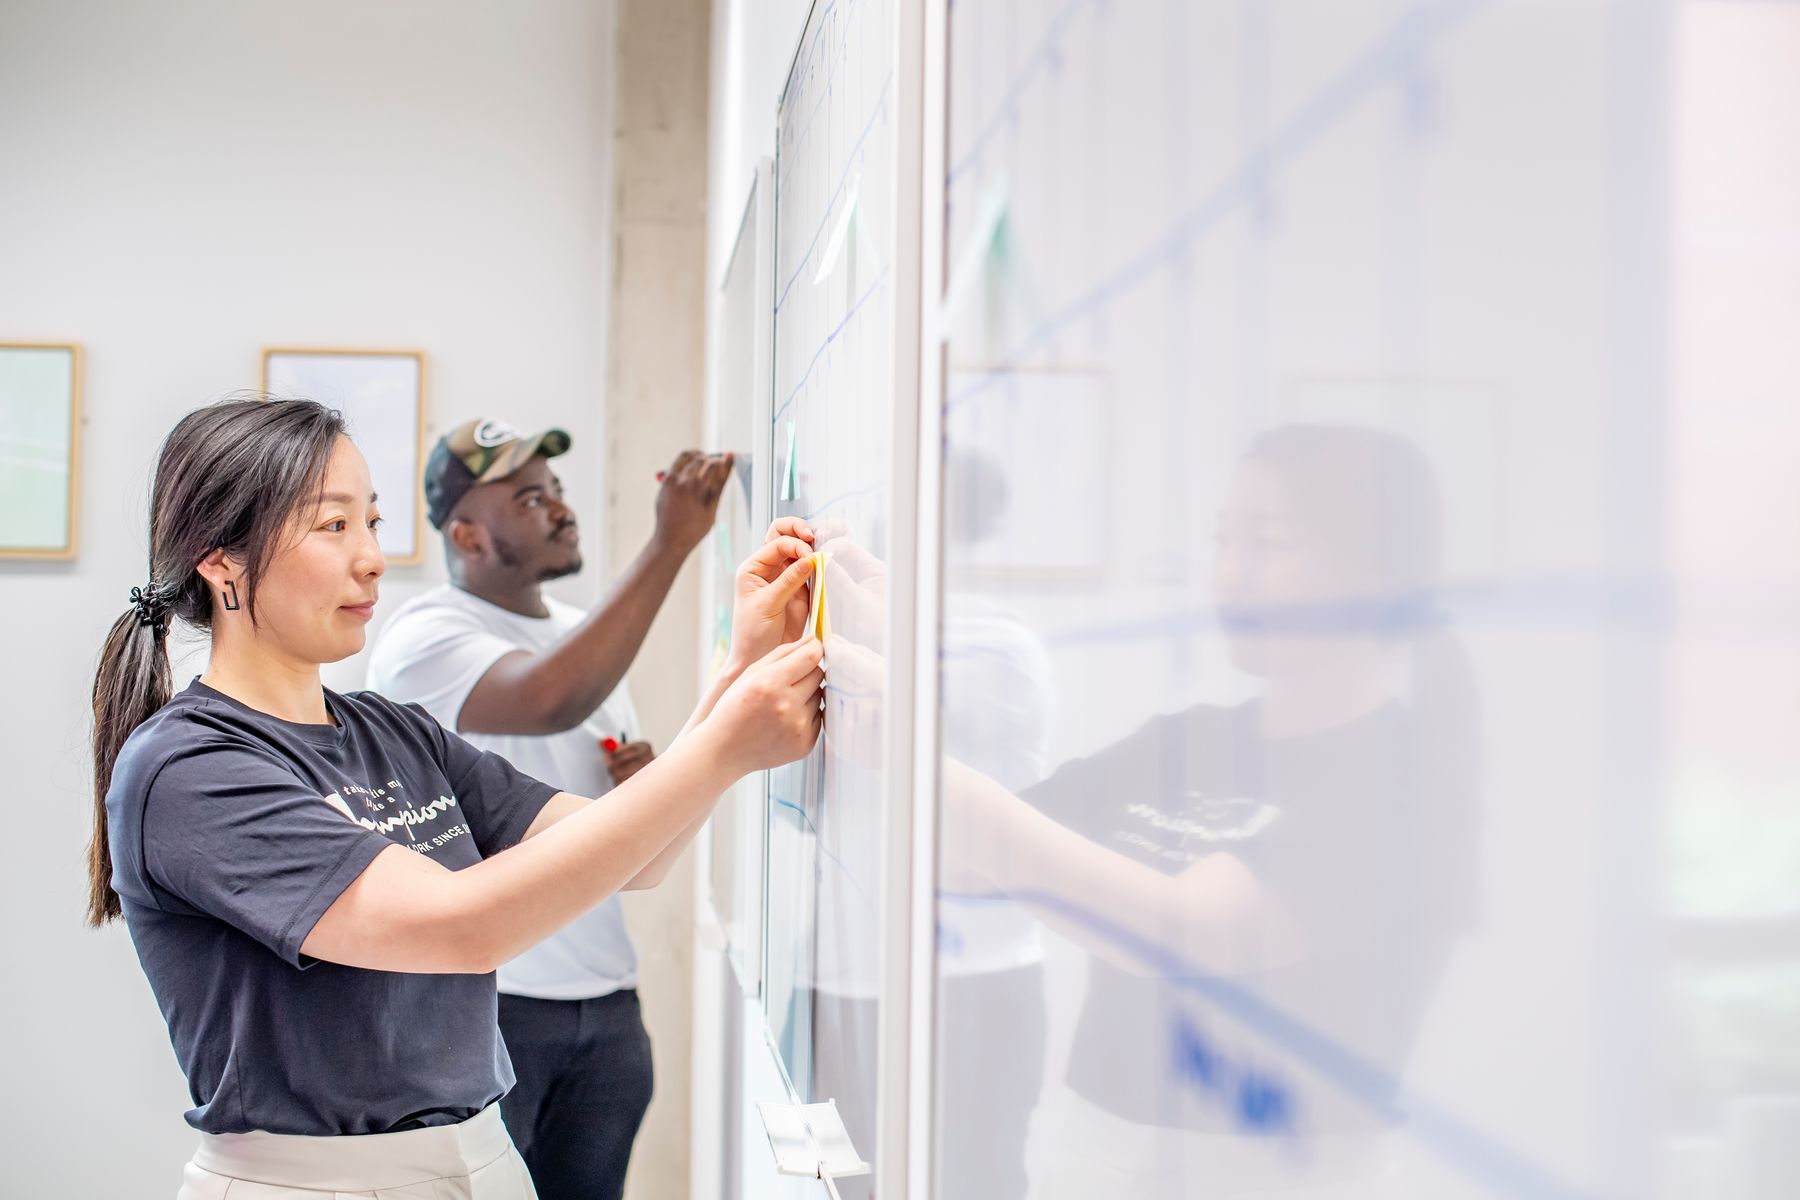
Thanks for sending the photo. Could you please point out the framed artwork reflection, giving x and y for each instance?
(382, 396)
(40, 436)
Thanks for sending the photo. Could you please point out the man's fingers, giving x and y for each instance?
(636, 754)
(695, 471)
(713, 472)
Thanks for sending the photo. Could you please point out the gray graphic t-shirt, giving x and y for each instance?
(231, 833)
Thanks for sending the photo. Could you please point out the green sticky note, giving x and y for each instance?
(790, 478)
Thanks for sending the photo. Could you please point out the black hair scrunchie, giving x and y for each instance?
(151, 605)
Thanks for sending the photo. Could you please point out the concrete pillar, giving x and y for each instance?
(655, 396)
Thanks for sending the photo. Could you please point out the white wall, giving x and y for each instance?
(181, 184)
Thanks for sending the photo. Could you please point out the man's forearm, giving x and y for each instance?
(589, 662)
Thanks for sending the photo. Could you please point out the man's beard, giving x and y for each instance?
(559, 572)
(568, 568)
(512, 560)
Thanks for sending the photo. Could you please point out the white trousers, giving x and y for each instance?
(471, 1161)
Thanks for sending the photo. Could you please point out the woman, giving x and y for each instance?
(321, 886)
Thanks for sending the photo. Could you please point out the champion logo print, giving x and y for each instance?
(406, 818)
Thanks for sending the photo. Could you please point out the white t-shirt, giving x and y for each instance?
(998, 688)
(432, 652)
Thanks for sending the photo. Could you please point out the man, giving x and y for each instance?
(542, 684)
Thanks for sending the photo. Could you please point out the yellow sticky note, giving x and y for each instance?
(817, 623)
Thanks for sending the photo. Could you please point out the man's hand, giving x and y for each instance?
(689, 500)
(627, 760)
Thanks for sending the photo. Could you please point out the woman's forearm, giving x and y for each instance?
(517, 898)
(658, 867)
(1215, 916)
(727, 675)
(407, 913)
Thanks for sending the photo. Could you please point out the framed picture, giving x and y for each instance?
(40, 436)
(382, 396)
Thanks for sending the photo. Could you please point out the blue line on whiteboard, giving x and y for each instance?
(843, 46)
(1476, 1154)
(842, 498)
(1040, 57)
(819, 844)
(1190, 622)
(849, 165)
(1381, 63)
(826, 344)
(843, 694)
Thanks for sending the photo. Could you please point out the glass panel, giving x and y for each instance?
(1372, 555)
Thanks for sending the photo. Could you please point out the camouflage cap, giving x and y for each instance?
(480, 451)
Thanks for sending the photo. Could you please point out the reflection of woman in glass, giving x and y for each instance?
(1262, 880)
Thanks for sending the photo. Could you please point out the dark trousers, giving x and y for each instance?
(584, 1082)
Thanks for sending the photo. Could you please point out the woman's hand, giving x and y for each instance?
(771, 715)
(772, 601)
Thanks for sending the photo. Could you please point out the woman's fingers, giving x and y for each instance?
(793, 661)
(787, 585)
(768, 560)
(790, 527)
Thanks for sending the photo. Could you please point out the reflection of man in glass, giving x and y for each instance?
(1303, 861)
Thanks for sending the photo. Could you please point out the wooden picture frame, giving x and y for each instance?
(382, 396)
(40, 444)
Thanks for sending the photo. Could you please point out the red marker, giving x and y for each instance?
(610, 745)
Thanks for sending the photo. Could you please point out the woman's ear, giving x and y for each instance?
(216, 568)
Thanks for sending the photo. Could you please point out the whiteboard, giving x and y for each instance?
(832, 429)
(1397, 807)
